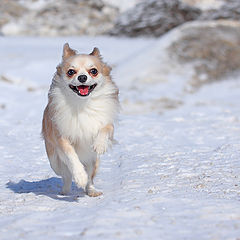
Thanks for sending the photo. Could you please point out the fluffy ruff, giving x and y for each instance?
(78, 120)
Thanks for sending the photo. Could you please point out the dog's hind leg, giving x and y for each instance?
(62, 170)
(53, 158)
(59, 168)
(67, 179)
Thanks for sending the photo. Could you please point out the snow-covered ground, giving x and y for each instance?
(173, 175)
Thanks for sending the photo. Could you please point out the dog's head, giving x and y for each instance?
(82, 74)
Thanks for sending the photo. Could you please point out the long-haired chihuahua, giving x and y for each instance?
(78, 120)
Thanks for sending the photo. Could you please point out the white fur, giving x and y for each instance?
(79, 119)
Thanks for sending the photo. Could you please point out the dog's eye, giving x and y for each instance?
(93, 71)
(71, 72)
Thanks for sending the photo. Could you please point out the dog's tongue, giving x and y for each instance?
(83, 89)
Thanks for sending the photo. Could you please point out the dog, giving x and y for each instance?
(78, 121)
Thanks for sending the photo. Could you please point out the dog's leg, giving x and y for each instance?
(69, 157)
(67, 179)
(53, 158)
(102, 142)
(59, 168)
(104, 139)
(91, 191)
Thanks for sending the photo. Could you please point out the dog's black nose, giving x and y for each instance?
(82, 78)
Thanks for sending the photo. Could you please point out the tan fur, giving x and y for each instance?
(67, 51)
(108, 130)
(96, 53)
(62, 148)
(95, 168)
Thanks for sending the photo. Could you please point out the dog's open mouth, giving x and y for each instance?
(83, 90)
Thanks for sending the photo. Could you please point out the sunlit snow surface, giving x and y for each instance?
(173, 175)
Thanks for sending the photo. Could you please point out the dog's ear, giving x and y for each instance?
(67, 51)
(96, 53)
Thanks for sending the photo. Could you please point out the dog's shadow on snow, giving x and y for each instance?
(50, 187)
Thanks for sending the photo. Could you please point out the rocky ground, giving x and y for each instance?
(98, 17)
(154, 18)
(56, 18)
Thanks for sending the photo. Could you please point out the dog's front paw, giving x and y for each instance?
(101, 145)
(100, 148)
(92, 192)
(81, 179)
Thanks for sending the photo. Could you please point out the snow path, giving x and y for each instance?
(172, 176)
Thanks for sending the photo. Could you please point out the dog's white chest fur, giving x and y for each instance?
(81, 121)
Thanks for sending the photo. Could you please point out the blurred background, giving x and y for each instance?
(108, 17)
(177, 45)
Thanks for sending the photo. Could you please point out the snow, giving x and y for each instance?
(174, 173)
(205, 4)
(123, 5)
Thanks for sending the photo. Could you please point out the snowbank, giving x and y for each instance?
(172, 176)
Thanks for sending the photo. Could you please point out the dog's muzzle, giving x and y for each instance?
(83, 90)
